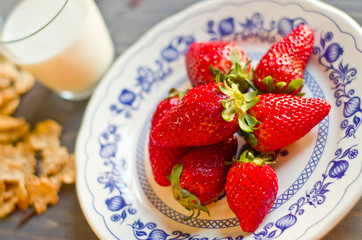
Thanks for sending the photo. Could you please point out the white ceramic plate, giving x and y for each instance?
(319, 175)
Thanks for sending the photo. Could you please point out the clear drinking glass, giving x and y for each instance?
(65, 44)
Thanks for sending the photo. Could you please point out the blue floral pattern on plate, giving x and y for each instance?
(118, 204)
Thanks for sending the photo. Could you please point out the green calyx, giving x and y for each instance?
(248, 157)
(236, 84)
(174, 92)
(184, 197)
(282, 87)
(237, 104)
(240, 75)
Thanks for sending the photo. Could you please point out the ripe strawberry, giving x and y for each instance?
(206, 115)
(163, 159)
(199, 178)
(222, 56)
(283, 119)
(165, 105)
(281, 69)
(251, 189)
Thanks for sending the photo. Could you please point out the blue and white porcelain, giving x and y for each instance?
(319, 175)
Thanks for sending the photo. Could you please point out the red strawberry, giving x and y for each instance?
(163, 159)
(199, 118)
(201, 55)
(283, 119)
(199, 178)
(251, 189)
(165, 105)
(284, 62)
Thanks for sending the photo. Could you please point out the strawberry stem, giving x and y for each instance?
(184, 197)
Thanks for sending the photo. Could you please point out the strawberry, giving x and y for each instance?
(283, 119)
(281, 69)
(222, 56)
(251, 189)
(199, 178)
(163, 159)
(199, 118)
(165, 105)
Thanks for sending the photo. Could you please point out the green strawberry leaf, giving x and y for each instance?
(174, 92)
(246, 66)
(222, 88)
(300, 94)
(184, 197)
(251, 121)
(228, 113)
(214, 71)
(238, 103)
(239, 74)
(226, 103)
(250, 138)
(175, 176)
(269, 84)
(250, 96)
(243, 125)
(294, 85)
(248, 157)
(252, 103)
(280, 86)
(235, 57)
(238, 69)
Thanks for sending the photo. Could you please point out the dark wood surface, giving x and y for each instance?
(127, 20)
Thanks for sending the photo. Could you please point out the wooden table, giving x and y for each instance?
(127, 22)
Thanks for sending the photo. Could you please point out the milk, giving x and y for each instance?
(71, 53)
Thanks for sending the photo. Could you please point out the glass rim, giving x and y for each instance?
(36, 31)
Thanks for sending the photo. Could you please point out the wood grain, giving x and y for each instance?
(127, 23)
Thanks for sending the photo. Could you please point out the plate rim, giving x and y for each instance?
(151, 34)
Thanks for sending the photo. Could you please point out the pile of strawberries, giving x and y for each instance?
(192, 145)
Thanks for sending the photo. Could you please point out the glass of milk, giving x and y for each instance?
(65, 44)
